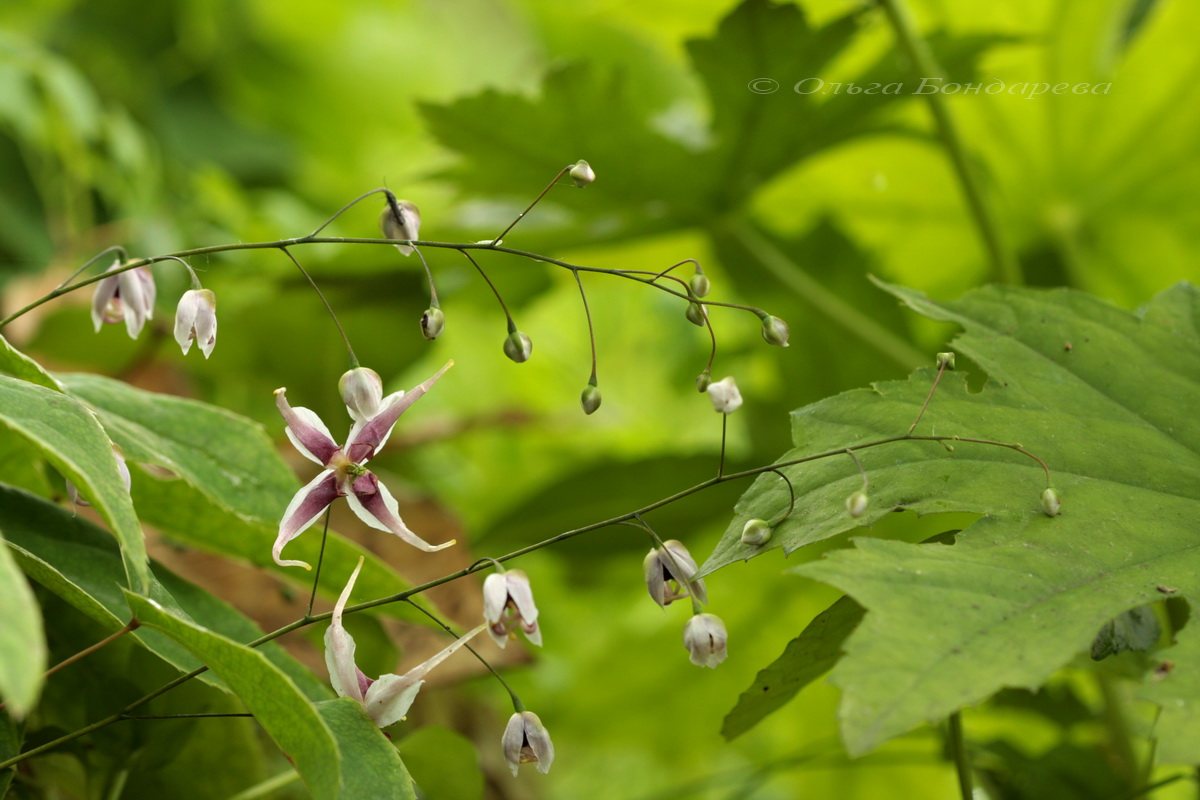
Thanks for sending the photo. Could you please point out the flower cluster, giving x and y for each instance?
(670, 575)
(128, 294)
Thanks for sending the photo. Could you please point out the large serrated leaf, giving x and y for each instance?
(78, 562)
(71, 439)
(232, 486)
(1105, 398)
(22, 642)
(278, 705)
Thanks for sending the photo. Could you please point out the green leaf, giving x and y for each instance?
(73, 441)
(1175, 686)
(78, 562)
(276, 702)
(371, 767)
(232, 486)
(444, 764)
(19, 365)
(806, 658)
(1020, 593)
(22, 643)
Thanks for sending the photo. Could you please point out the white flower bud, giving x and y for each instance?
(705, 638)
(406, 228)
(1051, 502)
(196, 320)
(582, 173)
(362, 392)
(756, 532)
(725, 395)
(518, 346)
(856, 504)
(433, 322)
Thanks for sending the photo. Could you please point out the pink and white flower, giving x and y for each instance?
(526, 741)
(127, 296)
(346, 474)
(388, 698)
(508, 605)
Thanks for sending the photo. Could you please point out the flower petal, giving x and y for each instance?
(539, 741)
(379, 510)
(305, 507)
(306, 430)
(339, 647)
(389, 698)
(132, 291)
(185, 320)
(512, 741)
(521, 594)
(495, 597)
(376, 432)
(106, 290)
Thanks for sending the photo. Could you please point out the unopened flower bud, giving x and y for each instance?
(699, 284)
(405, 228)
(518, 346)
(725, 395)
(582, 173)
(775, 331)
(196, 321)
(590, 399)
(947, 359)
(703, 380)
(433, 322)
(362, 392)
(1051, 502)
(696, 314)
(705, 638)
(856, 503)
(756, 533)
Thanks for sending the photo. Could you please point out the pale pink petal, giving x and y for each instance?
(305, 507)
(379, 510)
(339, 647)
(132, 291)
(390, 698)
(495, 596)
(106, 290)
(521, 594)
(375, 432)
(306, 430)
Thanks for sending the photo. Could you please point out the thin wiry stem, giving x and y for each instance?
(587, 311)
(958, 750)
(329, 308)
(941, 368)
(354, 202)
(791, 498)
(861, 471)
(122, 255)
(515, 697)
(536, 200)
(507, 316)
(312, 597)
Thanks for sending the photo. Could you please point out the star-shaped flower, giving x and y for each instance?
(346, 474)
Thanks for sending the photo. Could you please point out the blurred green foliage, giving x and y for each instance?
(189, 122)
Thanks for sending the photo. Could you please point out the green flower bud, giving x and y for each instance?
(582, 173)
(1051, 502)
(947, 359)
(433, 322)
(775, 331)
(699, 284)
(856, 504)
(696, 314)
(590, 399)
(518, 346)
(702, 381)
(756, 533)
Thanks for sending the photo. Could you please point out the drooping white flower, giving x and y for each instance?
(725, 395)
(669, 574)
(405, 228)
(704, 636)
(388, 698)
(508, 605)
(346, 474)
(196, 320)
(125, 297)
(526, 741)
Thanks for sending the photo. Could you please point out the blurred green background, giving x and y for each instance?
(186, 123)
